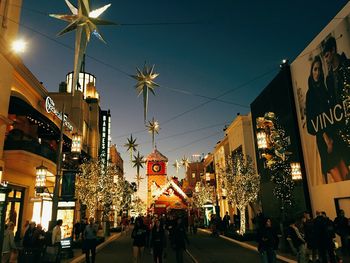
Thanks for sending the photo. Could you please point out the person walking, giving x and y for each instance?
(179, 240)
(8, 245)
(309, 236)
(267, 242)
(342, 228)
(139, 234)
(298, 241)
(90, 240)
(324, 234)
(226, 221)
(38, 243)
(56, 240)
(158, 241)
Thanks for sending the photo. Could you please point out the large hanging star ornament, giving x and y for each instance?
(138, 178)
(145, 82)
(153, 127)
(185, 162)
(176, 165)
(85, 23)
(131, 146)
(138, 163)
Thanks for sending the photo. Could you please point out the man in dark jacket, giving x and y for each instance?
(179, 240)
(324, 234)
(298, 241)
(342, 228)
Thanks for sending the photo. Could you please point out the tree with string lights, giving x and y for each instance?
(98, 185)
(86, 185)
(276, 159)
(138, 206)
(242, 183)
(203, 194)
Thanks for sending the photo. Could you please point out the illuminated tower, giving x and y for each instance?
(156, 164)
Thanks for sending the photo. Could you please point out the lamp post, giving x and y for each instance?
(55, 196)
(4, 190)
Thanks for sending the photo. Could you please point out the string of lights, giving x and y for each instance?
(210, 99)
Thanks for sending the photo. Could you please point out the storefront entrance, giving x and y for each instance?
(14, 209)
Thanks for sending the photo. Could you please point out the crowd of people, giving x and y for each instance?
(34, 245)
(157, 233)
(314, 239)
(311, 239)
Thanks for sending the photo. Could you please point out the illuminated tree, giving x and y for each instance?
(242, 183)
(203, 194)
(86, 185)
(276, 160)
(98, 185)
(138, 206)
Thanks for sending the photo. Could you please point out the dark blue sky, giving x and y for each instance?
(230, 44)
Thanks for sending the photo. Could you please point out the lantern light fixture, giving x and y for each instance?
(261, 139)
(40, 184)
(296, 171)
(76, 143)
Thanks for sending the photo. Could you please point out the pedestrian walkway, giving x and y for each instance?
(119, 250)
(208, 249)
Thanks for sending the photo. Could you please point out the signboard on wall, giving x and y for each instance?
(321, 83)
(68, 185)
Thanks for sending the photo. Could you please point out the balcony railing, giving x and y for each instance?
(29, 144)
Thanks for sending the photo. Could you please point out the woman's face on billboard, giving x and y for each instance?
(316, 71)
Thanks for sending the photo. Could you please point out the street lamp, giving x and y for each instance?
(19, 46)
(261, 139)
(207, 177)
(296, 171)
(76, 145)
(40, 183)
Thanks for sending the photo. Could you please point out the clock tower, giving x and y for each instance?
(156, 164)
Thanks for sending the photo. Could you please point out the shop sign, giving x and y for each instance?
(69, 204)
(66, 243)
(50, 108)
(2, 197)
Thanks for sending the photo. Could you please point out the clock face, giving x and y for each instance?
(156, 167)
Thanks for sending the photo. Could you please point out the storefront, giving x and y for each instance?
(14, 210)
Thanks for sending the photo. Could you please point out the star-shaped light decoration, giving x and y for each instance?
(176, 165)
(138, 163)
(85, 23)
(145, 82)
(185, 162)
(131, 146)
(153, 127)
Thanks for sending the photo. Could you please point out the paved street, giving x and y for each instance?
(120, 251)
(203, 247)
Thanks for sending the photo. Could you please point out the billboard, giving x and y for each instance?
(321, 84)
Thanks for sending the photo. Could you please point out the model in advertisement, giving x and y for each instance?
(328, 142)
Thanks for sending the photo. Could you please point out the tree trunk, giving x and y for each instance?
(242, 220)
(106, 228)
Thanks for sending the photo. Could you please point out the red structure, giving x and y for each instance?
(163, 195)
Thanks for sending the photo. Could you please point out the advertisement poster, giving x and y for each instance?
(321, 83)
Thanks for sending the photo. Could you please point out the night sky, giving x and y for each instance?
(213, 48)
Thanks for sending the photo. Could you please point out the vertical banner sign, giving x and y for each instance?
(68, 185)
